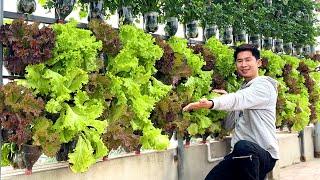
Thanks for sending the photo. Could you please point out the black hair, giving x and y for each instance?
(247, 47)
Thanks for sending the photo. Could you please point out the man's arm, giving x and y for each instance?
(256, 96)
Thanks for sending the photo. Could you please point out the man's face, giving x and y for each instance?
(247, 65)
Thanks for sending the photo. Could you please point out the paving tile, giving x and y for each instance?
(309, 170)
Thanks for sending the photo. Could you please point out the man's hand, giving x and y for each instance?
(220, 91)
(202, 104)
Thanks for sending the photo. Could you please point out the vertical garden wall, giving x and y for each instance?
(76, 93)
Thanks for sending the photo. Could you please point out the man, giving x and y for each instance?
(252, 115)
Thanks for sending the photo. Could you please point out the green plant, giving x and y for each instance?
(297, 110)
(44, 135)
(18, 109)
(212, 14)
(82, 5)
(191, 10)
(190, 84)
(107, 35)
(307, 69)
(5, 154)
(172, 8)
(60, 81)
(133, 86)
(226, 17)
(113, 5)
(224, 63)
(146, 6)
(26, 44)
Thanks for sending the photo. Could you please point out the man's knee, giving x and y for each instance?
(243, 148)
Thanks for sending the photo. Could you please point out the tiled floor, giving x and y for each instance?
(309, 170)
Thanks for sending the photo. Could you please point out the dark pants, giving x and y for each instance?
(248, 161)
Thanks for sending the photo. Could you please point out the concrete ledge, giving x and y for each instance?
(161, 165)
(196, 164)
(289, 149)
(308, 144)
(158, 165)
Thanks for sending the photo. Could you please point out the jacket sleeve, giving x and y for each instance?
(256, 96)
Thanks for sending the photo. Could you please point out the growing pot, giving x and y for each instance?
(150, 22)
(30, 155)
(268, 2)
(187, 137)
(63, 8)
(12, 63)
(278, 45)
(171, 27)
(26, 6)
(17, 161)
(209, 31)
(241, 36)
(204, 137)
(65, 149)
(255, 40)
(191, 29)
(96, 10)
(307, 50)
(298, 49)
(267, 43)
(125, 15)
(5, 135)
(227, 35)
(313, 49)
(138, 149)
(288, 48)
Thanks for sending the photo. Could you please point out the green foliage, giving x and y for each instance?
(26, 44)
(172, 8)
(44, 135)
(293, 21)
(275, 64)
(5, 153)
(212, 14)
(71, 51)
(224, 57)
(113, 5)
(18, 108)
(191, 87)
(194, 61)
(132, 83)
(108, 36)
(312, 77)
(88, 150)
(191, 10)
(61, 80)
(302, 110)
(146, 6)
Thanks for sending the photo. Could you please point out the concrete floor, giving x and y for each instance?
(309, 170)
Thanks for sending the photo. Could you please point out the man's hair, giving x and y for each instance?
(247, 47)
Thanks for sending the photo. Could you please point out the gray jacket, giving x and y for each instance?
(253, 113)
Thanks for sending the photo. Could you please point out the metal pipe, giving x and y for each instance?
(302, 151)
(1, 48)
(210, 159)
(317, 140)
(1, 79)
(180, 152)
